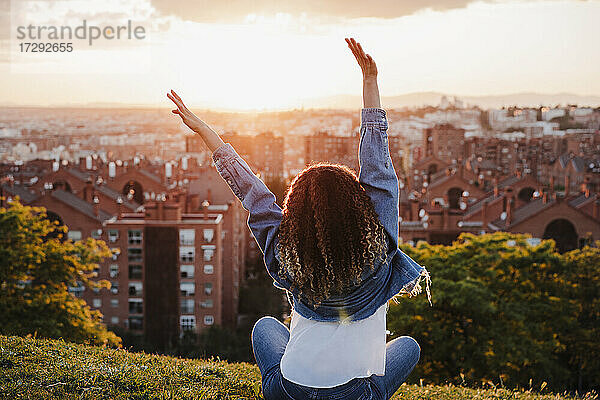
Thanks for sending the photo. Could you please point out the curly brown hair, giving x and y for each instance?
(329, 233)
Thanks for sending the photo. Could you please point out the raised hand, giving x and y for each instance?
(367, 65)
(369, 70)
(210, 137)
(188, 117)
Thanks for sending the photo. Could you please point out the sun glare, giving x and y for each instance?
(287, 61)
(266, 64)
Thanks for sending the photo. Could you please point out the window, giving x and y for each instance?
(209, 269)
(187, 288)
(207, 303)
(96, 290)
(187, 254)
(136, 306)
(114, 320)
(187, 306)
(209, 251)
(187, 237)
(114, 270)
(208, 286)
(136, 323)
(96, 233)
(135, 288)
(134, 237)
(113, 235)
(187, 271)
(114, 287)
(77, 290)
(134, 255)
(187, 323)
(209, 234)
(115, 252)
(97, 303)
(74, 235)
(209, 320)
(135, 272)
(114, 303)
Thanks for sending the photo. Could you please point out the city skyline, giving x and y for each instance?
(291, 56)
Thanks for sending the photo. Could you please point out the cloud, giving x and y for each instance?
(4, 19)
(236, 10)
(233, 10)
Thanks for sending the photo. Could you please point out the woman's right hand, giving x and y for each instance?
(367, 65)
(210, 137)
(188, 117)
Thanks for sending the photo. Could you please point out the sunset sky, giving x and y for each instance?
(268, 54)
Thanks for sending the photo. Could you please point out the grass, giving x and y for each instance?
(53, 369)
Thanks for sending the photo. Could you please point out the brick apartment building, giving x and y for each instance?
(520, 204)
(444, 142)
(236, 240)
(509, 156)
(166, 274)
(324, 147)
(264, 152)
(87, 205)
(547, 158)
(542, 185)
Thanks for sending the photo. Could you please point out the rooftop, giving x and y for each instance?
(24, 194)
(522, 213)
(80, 205)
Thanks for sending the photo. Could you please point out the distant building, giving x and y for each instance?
(263, 152)
(324, 147)
(451, 205)
(444, 142)
(525, 155)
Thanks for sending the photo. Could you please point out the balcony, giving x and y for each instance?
(135, 289)
(187, 288)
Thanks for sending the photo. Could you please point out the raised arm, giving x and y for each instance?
(265, 215)
(376, 173)
(369, 71)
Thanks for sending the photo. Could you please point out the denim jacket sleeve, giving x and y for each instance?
(377, 173)
(265, 215)
(379, 179)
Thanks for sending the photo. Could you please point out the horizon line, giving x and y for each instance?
(490, 97)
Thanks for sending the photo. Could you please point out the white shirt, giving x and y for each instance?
(328, 354)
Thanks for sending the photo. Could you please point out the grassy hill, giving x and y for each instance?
(52, 369)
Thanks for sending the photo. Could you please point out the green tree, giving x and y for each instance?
(36, 269)
(499, 312)
(582, 340)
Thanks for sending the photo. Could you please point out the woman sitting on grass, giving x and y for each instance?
(334, 249)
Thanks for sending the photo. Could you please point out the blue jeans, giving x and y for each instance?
(269, 339)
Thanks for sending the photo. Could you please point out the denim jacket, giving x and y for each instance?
(397, 275)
